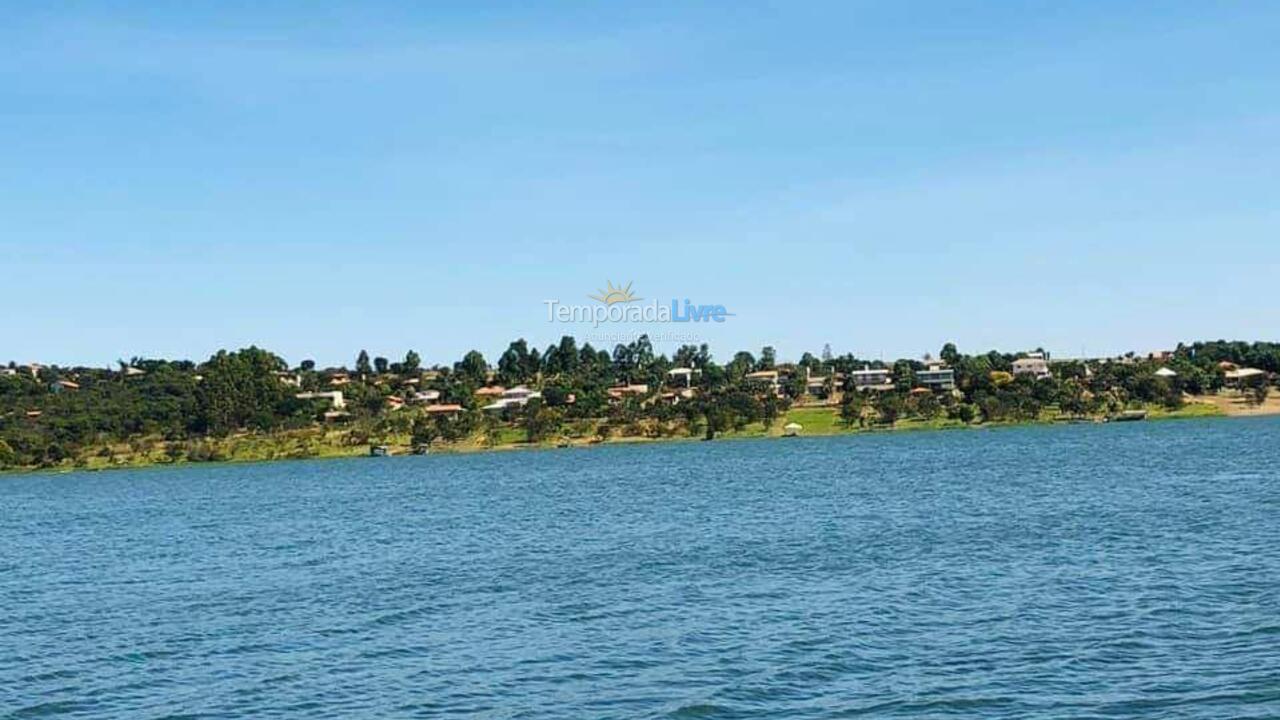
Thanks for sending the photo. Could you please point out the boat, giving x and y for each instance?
(378, 451)
(1129, 416)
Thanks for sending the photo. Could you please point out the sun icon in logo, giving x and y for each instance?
(614, 294)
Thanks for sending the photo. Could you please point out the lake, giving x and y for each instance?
(1128, 570)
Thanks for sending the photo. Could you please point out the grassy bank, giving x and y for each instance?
(328, 442)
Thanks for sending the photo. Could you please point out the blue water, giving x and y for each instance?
(1130, 570)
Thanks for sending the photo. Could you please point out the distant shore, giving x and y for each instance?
(815, 421)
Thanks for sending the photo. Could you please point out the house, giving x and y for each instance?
(515, 397)
(337, 402)
(425, 396)
(937, 376)
(444, 410)
(133, 372)
(1034, 364)
(675, 397)
(766, 380)
(683, 376)
(8, 371)
(1160, 355)
(336, 415)
(869, 378)
(1244, 377)
(816, 385)
(491, 391)
(339, 379)
(64, 385)
(394, 402)
(636, 390)
(289, 379)
(520, 394)
(1166, 373)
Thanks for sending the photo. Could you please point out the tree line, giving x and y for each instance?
(54, 413)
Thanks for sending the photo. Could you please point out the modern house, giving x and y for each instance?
(394, 402)
(936, 376)
(766, 380)
(869, 378)
(62, 385)
(817, 385)
(337, 402)
(517, 396)
(491, 391)
(1166, 373)
(446, 410)
(1034, 364)
(682, 376)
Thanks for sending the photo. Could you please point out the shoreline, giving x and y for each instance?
(1199, 409)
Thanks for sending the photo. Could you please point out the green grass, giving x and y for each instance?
(341, 441)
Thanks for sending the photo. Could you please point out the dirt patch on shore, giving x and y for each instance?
(1235, 404)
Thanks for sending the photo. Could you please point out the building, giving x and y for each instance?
(133, 372)
(1034, 365)
(444, 410)
(625, 391)
(817, 385)
(515, 397)
(936, 376)
(766, 380)
(336, 401)
(289, 379)
(491, 391)
(1166, 373)
(1243, 377)
(425, 396)
(869, 378)
(394, 402)
(62, 385)
(682, 376)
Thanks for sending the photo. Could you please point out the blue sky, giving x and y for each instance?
(318, 178)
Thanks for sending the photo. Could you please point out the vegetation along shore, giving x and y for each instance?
(252, 405)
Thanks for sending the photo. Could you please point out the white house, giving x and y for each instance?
(337, 402)
(937, 376)
(516, 396)
(1034, 364)
(869, 378)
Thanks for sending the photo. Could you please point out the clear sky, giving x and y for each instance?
(318, 178)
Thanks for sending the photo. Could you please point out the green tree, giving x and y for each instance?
(472, 368)
(851, 407)
(412, 363)
(362, 363)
